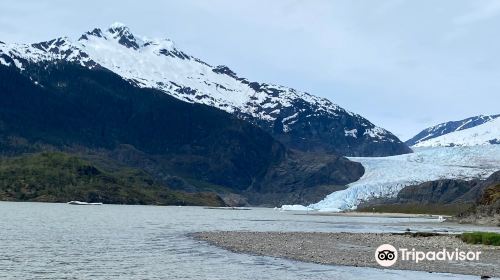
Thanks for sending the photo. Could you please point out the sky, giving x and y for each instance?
(404, 65)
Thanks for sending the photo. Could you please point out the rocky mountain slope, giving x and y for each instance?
(299, 120)
(486, 209)
(424, 137)
(443, 191)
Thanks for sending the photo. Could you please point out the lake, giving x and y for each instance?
(61, 241)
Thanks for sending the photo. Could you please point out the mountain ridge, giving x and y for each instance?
(449, 127)
(485, 131)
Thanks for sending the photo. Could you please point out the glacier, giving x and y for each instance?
(386, 176)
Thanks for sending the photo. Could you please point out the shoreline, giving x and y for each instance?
(354, 249)
(370, 214)
(478, 221)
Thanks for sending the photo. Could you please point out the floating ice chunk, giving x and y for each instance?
(295, 207)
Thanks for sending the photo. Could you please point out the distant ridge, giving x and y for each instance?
(449, 127)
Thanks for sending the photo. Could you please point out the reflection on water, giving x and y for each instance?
(55, 241)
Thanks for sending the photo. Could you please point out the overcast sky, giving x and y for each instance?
(404, 65)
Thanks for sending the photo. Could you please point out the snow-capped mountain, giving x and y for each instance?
(486, 133)
(449, 127)
(298, 119)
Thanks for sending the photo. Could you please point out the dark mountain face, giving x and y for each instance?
(448, 190)
(73, 108)
(441, 191)
(448, 127)
(99, 110)
(319, 132)
(486, 209)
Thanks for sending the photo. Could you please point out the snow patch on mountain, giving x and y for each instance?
(377, 133)
(351, 133)
(4, 62)
(386, 176)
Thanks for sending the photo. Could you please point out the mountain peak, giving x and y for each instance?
(54, 45)
(119, 29)
(97, 32)
(125, 37)
(122, 33)
(118, 25)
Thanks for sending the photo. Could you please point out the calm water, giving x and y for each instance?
(60, 241)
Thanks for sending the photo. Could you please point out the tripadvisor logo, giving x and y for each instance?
(387, 255)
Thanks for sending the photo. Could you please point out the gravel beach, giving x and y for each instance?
(355, 249)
